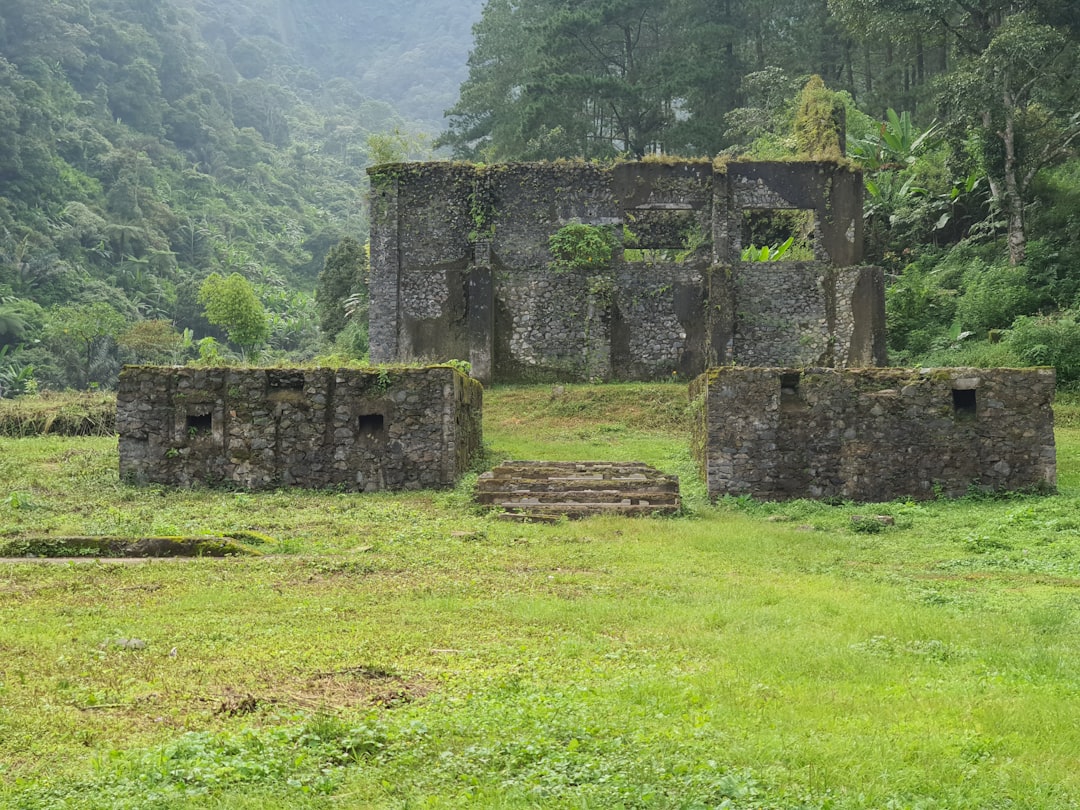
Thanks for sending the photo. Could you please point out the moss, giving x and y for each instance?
(819, 122)
(201, 546)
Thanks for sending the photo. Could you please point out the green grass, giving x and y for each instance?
(409, 651)
(64, 414)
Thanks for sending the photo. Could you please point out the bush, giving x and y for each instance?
(577, 246)
(993, 297)
(976, 353)
(919, 309)
(1052, 340)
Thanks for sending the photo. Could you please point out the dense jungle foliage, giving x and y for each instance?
(148, 144)
(964, 116)
(151, 145)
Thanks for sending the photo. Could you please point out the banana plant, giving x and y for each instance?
(753, 253)
(897, 144)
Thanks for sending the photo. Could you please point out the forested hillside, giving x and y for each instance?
(964, 116)
(149, 143)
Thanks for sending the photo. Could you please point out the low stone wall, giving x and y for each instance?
(873, 434)
(353, 429)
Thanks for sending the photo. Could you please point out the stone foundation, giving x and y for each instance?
(873, 434)
(352, 429)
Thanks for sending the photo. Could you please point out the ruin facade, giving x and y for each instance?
(258, 428)
(873, 434)
(461, 269)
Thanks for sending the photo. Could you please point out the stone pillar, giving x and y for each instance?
(384, 311)
(481, 307)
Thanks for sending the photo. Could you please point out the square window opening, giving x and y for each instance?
(778, 234)
(963, 400)
(199, 424)
(664, 233)
(371, 423)
(789, 390)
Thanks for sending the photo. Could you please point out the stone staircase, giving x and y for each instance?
(546, 490)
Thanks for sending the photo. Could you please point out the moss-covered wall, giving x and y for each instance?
(873, 434)
(445, 233)
(353, 429)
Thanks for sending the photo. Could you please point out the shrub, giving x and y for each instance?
(577, 246)
(993, 297)
(1051, 340)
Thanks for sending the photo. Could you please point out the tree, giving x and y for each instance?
(344, 275)
(604, 67)
(232, 304)
(549, 79)
(154, 341)
(1021, 95)
(485, 123)
(1013, 84)
(82, 337)
(12, 324)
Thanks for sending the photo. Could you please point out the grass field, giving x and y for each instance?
(409, 651)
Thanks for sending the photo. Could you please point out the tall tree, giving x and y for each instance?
(344, 275)
(82, 338)
(553, 79)
(486, 122)
(1013, 83)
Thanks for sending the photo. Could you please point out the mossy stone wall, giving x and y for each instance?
(443, 233)
(257, 428)
(873, 434)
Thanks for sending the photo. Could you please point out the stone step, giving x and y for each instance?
(578, 510)
(578, 489)
(579, 496)
(491, 486)
(544, 469)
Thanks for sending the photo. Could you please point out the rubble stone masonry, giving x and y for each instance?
(460, 269)
(257, 428)
(873, 434)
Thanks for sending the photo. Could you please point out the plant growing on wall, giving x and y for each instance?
(587, 250)
(580, 247)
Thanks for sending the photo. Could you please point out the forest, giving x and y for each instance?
(151, 145)
(184, 180)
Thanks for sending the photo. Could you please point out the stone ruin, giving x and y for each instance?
(873, 434)
(460, 269)
(257, 428)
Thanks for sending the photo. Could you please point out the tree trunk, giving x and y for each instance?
(1014, 193)
(1017, 237)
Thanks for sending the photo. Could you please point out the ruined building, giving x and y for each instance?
(787, 401)
(257, 428)
(461, 269)
(873, 434)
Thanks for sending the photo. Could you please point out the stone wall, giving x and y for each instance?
(357, 430)
(460, 270)
(873, 434)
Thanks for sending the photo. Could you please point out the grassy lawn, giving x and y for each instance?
(409, 651)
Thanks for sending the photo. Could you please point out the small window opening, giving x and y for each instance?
(777, 234)
(290, 382)
(371, 423)
(963, 402)
(661, 233)
(789, 390)
(200, 424)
